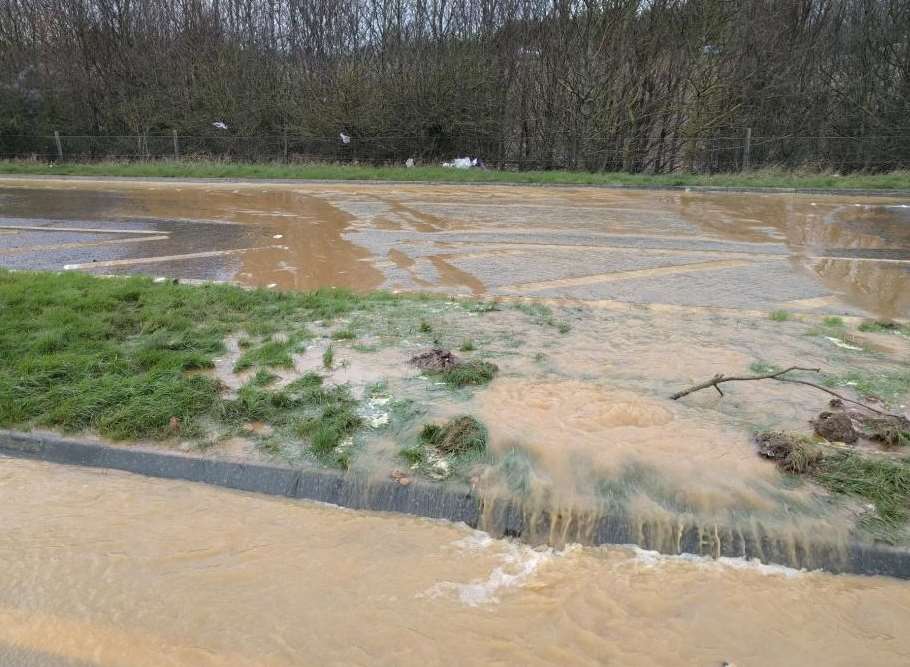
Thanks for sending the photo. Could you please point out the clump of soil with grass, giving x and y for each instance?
(793, 452)
(462, 434)
(435, 360)
(454, 371)
(878, 478)
(443, 448)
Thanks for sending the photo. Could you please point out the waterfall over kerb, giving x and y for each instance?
(499, 515)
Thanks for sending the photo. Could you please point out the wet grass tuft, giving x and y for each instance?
(272, 354)
(344, 334)
(474, 372)
(328, 357)
(460, 435)
(883, 482)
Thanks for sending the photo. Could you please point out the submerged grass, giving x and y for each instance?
(884, 326)
(763, 178)
(887, 386)
(884, 482)
(543, 315)
(115, 356)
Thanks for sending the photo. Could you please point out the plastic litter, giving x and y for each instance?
(220, 125)
(463, 163)
(345, 139)
(409, 163)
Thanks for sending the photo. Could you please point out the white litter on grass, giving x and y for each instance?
(409, 163)
(271, 286)
(345, 139)
(517, 566)
(840, 343)
(278, 236)
(159, 279)
(220, 125)
(461, 163)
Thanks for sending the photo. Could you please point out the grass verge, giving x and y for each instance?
(124, 357)
(767, 178)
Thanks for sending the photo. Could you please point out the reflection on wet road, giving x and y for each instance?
(829, 254)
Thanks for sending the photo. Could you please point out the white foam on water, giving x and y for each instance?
(518, 564)
(653, 559)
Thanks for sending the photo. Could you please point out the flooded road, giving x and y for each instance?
(102, 568)
(831, 254)
(106, 569)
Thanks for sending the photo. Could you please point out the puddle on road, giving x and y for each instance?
(107, 569)
(589, 243)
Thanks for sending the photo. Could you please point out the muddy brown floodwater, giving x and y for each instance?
(106, 569)
(817, 253)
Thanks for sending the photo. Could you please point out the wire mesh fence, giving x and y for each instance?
(662, 154)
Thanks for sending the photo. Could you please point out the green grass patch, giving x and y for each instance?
(467, 345)
(780, 316)
(263, 378)
(765, 178)
(474, 372)
(120, 356)
(344, 334)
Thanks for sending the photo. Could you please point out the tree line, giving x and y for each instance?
(640, 85)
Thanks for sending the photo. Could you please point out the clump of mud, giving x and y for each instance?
(889, 431)
(848, 426)
(435, 360)
(836, 427)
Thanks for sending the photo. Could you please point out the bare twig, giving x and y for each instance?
(718, 379)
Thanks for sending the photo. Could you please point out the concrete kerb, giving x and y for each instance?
(497, 515)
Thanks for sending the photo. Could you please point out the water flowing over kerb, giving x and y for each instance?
(499, 516)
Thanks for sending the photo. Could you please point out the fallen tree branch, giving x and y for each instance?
(720, 378)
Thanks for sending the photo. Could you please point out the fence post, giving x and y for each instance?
(285, 137)
(626, 154)
(747, 150)
(176, 147)
(59, 145)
